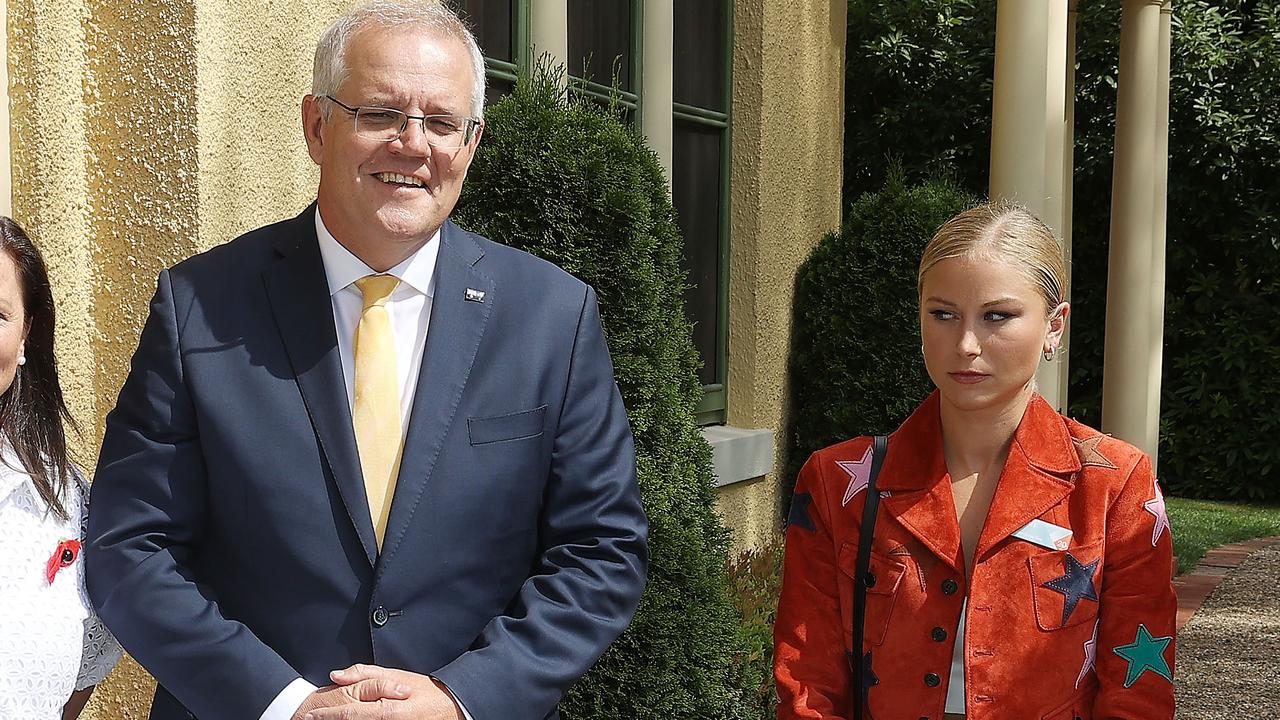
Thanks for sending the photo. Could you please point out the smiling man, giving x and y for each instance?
(367, 464)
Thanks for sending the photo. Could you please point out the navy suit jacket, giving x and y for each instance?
(230, 547)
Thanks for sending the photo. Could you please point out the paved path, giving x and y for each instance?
(1228, 665)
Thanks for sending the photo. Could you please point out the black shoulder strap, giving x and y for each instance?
(862, 577)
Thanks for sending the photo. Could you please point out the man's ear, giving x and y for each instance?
(313, 121)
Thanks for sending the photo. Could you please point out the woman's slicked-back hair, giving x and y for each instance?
(330, 68)
(1007, 233)
(32, 409)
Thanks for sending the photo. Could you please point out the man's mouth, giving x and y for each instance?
(397, 179)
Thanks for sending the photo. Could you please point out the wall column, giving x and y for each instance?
(1130, 342)
(1029, 127)
(549, 31)
(657, 91)
(6, 168)
(1160, 178)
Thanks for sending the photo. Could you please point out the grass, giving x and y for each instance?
(1201, 525)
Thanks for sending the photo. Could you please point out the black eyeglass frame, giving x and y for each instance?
(468, 131)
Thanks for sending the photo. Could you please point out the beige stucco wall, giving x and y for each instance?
(788, 120)
(142, 133)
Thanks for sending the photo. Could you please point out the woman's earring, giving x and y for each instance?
(1049, 354)
(22, 359)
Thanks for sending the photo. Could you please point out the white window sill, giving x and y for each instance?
(739, 453)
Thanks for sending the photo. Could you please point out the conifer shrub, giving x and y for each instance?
(565, 179)
(855, 365)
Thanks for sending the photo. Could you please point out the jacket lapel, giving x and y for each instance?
(915, 475)
(299, 298)
(1036, 476)
(459, 315)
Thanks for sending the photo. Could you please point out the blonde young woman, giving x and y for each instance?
(1020, 562)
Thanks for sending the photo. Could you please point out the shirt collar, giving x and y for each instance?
(342, 267)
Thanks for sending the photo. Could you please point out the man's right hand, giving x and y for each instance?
(366, 691)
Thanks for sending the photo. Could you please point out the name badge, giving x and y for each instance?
(1048, 535)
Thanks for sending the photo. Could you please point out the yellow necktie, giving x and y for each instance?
(376, 411)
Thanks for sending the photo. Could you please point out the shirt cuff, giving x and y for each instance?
(461, 708)
(286, 704)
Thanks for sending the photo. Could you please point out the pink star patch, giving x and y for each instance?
(859, 475)
(1155, 506)
(1090, 655)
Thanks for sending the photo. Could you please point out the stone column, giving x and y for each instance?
(1129, 339)
(1028, 126)
(549, 30)
(657, 91)
(1063, 362)
(1160, 179)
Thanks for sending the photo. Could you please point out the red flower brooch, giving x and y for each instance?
(67, 552)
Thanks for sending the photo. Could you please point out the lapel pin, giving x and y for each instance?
(474, 295)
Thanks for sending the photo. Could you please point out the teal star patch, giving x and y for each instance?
(1143, 654)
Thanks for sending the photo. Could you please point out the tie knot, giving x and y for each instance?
(377, 288)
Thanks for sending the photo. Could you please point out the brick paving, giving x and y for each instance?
(1194, 587)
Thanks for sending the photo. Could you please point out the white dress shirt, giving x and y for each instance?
(409, 308)
(51, 642)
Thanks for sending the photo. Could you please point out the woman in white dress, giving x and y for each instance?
(53, 649)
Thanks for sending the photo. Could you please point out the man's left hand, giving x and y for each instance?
(427, 698)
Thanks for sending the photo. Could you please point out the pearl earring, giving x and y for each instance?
(22, 359)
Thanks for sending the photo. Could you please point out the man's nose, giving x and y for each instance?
(413, 141)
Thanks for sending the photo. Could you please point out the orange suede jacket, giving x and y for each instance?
(1081, 628)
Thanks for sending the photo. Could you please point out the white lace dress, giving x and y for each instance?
(51, 642)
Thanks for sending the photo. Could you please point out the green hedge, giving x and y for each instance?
(568, 181)
(918, 78)
(856, 367)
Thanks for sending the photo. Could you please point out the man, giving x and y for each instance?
(365, 435)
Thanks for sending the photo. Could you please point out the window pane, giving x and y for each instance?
(491, 22)
(599, 35)
(695, 191)
(699, 60)
(495, 89)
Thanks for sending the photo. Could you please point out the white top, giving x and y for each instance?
(51, 641)
(955, 684)
(410, 310)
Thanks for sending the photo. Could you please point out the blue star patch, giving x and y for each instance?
(869, 678)
(799, 515)
(1076, 584)
(1145, 654)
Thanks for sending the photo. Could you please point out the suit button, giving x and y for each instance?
(950, 586)
(939, 634)
(932, 680)
(869, 579)
(379, 616)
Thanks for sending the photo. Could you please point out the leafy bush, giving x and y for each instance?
(918, 80)
(856, 367)
(755, 581)
(568, 181)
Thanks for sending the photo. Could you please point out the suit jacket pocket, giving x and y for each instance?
(888, 572)
(1066, 585)
(512, 426)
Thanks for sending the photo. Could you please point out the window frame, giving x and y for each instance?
(713, 408)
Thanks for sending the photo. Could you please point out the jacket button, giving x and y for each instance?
(939, 634)
(869, 579)
(379, 616)
(950, 586)
(932, 680)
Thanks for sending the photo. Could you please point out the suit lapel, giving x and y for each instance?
(299, 298)
(458, 320)
(1036, 475)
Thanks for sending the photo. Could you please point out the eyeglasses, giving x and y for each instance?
(447, 132)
